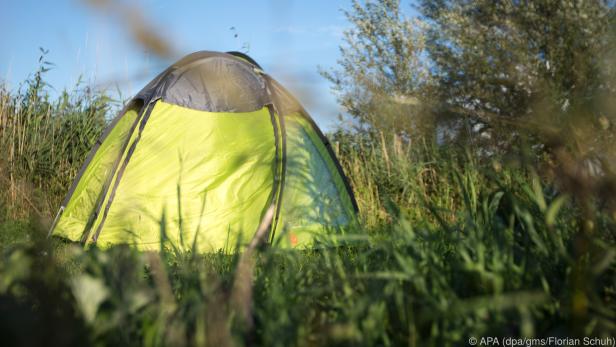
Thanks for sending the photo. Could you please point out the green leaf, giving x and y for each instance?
(552, 212)
(89, 293)
(538, 193)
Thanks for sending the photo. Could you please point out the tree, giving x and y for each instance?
(519, 63)
(382, 77)
(486, 72)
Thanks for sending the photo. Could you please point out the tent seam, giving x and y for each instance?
(121, 169)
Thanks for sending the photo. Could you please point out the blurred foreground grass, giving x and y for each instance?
(453, 244)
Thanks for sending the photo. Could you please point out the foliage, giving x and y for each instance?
(494, 73)
(381, 68)
(540, 70)
(44, 141)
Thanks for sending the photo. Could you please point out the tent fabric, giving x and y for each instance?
(173, 172)
(217, 143)
(310, 181)
(86, 196)
(217, 84)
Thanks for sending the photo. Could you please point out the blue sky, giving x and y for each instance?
(289, 39)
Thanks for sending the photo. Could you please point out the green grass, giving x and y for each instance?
(451, 245)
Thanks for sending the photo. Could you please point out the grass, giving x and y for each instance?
(44, 142)
(451, 245)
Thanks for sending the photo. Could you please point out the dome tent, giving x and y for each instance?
(202, 152)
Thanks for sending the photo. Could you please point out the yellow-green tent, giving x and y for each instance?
(199, 155)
